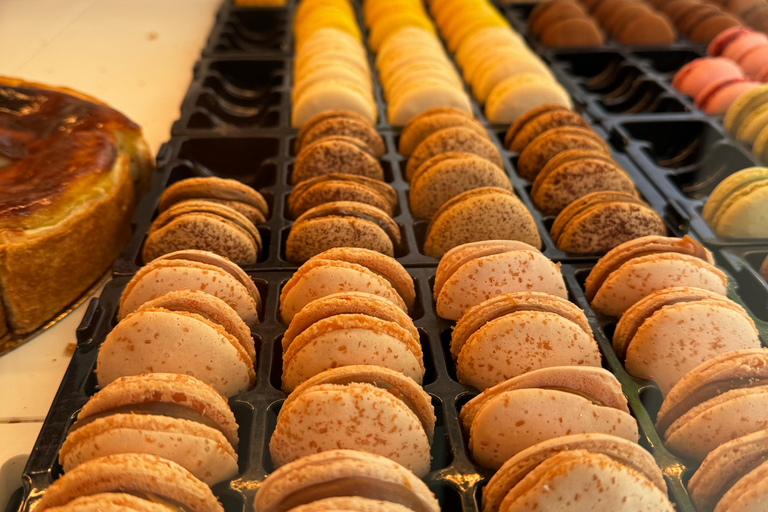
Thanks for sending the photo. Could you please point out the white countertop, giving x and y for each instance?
(137, 55)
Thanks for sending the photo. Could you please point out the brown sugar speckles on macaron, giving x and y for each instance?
(341, 187)
(335, 154)
(538, 120)
(553, 141)
(341, 124)
(433, 120)
(457, 138)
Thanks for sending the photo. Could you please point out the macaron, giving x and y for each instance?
(421, 97)
(717, 98)
(381, 333)
(174, 416)
(734, 476)
(624, 478)
(698, 74)
(111, 501)
(699, 411)
(340, 124)
(671, 331)
(544, 404)
(433, 120)
(572, 174)
(516, 95)
(639, 267)
(734, 42)
(193, 270)
(333, 155)
(434, 185)
(342, 224)
(108, 480)
(332, 95)
(238, 196)
(486, 213)
(536, 154)
(351, 503)
(491, 73)
(333, 187)
(361, 396)
(473, 273)
(347, 269)
(738, 206)
(185, 332)
(538, 120)
(455, 138)
(203, 225)
(511, 334)
(338, 473)
(744, 105)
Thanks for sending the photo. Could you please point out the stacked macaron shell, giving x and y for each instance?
(753, 12)
(745, 47)
(389, 414)
(579, 472)
(564, 23)
(700, 21)
(738, 207)
(720, 400)
(511, 334)
(173, 416)
(635, 269)
(714, 83)
(209, 214)
(544, 404)
(344, 480)
(633, 22)
(666, 334)
(128, 482)
(747, 120)
(330, 68)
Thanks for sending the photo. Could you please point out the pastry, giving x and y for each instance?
(456, 138)
(111, 501)
(71, 171)
(491, 73)
(193, 270)
(332, 95)
(738, 206)
(342, 224)
(173, 416)
(482, 264)
(514, 333)
(337, 473)
(572, 174)
(487, 213)
(514, 96)
(329, 188)
(185, 331)
(118, 478)
(421, 96)
(671, 331)
(359, 395)
(734, 42)
(238, 196)
(434, 185)
(718, 97)
(535, 156)
(333, 155)
(637, 268)
(538, 120)
(543, 404)
(340, 124)
(563, 24)
(697, 75)
(430, 121)
(625, 475)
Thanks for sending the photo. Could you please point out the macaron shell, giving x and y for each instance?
(314, 236)
(335, 155)
(422, 126)
(743, 106)
(347, 127)
(718, 98)
(330, 190)
(212, 188)
(745, 213)
(573, 32)
(728, 187)
(351, 504)
(550, 143)
(455, 138)
(515, 420)
(697, 75)
(645, 274)
(418, 99)
(331, 96)
(517, 94)
(110, 502)
(750, 494)
(478, 280)
(505, 347)
(322, 408)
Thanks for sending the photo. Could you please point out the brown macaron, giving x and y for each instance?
(572, 32)
(600, 221)
(433, 185)
(575, 173)
(342, 224)
(341, 187)
(487, 213)
(538, 120)
(553, 141)
(324, 116)
(322, 127)
(456, 138)
(238, 196)
(336, 154)
(546, 13)
(652, 28)
(433, 120)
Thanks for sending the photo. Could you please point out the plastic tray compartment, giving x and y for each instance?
(243, 30)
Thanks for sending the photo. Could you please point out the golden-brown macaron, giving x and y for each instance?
(538, 120)
(336, 154)
(346, 124)
(430, 121)
(238, 196)
(553, 141)
(456, 138)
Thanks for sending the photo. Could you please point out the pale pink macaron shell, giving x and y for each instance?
(717, 98)
(743, 44)
(754, 60)
(717, 46)
(696, 76)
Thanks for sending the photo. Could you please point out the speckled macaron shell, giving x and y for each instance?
(740, 464)
(238, 196)
(203, 225)
(351, 339)
(487, 213)
(553, 141)
(325, 116)
(131, 472)
(538, 120)
(341, 187)
(620, 450)
(487, 276)
(319, 278)
(335, 154)
(346, 127)
(455, 138)
(351, 504)
(575, 173)
(599, 221)
(431, 121)
(333, 467)
(433, 186)
(110, 501)
(205, 273)
(182, 342)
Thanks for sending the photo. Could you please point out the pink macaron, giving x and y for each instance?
(753, 61)
(701, 73)
(716, 98)
(762, 76)
(734, 42)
